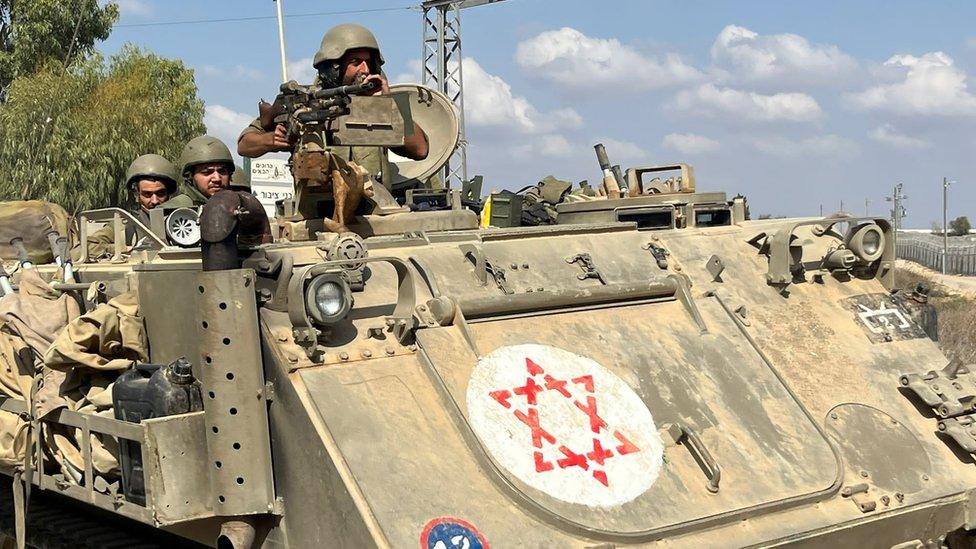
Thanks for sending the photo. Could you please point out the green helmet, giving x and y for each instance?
(152, 166)
(241, 180)
(204, 150)
(342, 38)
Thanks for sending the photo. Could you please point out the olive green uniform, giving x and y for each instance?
(372, 159)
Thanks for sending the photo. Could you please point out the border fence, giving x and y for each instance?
(960, 259)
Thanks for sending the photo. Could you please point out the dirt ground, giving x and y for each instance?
(964, 285)
(954, 298)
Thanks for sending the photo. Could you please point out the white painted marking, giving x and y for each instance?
(880, 321)
(563, 424)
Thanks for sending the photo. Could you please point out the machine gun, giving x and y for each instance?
(307, 108)
(318, 119)
(338, 116)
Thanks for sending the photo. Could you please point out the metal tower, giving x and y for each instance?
(441, 59)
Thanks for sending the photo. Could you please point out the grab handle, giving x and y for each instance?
(682, 434)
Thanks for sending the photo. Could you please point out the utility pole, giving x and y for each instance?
(440, 55)
(945, 222)
(281, 41)
(897, 210)
(867, 203)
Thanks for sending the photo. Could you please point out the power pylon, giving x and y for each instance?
(441, 70)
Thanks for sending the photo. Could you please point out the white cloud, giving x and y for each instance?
(689, 143)
(711, 100)
(132, 7)
(550, 146)
(888, 135)
(823, 145)
(411, 75)
(238, 71)
(225, 124)
(745, 56)
(489, 101)
(569, 57)
(301, 70)
(930, 85)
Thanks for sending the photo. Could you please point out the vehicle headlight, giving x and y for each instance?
(867, 241)
(327, 298)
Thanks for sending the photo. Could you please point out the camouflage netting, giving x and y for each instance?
(29, 322)
(31, 220)
(53, 357)
(84, 361)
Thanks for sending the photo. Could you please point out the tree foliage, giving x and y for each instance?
(68, 137)
(959, 226)
(36, 32)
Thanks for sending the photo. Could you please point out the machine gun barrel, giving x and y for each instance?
(340, 91)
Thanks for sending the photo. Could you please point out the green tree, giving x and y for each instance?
(34, 33)
(959, 226)
(68, 137)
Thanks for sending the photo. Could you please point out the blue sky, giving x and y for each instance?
(792, 104)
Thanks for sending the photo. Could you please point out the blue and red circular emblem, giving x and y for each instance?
(451, 533)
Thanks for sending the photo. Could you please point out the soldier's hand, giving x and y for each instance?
(279, 139)
(382, 89)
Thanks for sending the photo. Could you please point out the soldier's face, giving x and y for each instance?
(356, 65)
(210, 178)
(151, 193)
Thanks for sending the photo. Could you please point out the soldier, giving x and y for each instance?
(207, 167)
(152, 180)
(349, 53)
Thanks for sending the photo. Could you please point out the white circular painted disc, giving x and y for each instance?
(563, 424)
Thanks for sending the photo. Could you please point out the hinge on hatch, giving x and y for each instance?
(858, 493)
(585, 261)
(660, 254)
(484, 266)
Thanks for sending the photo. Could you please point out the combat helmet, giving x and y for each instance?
(202, 150)
(342, 38)
(152, 166)
(241, 180)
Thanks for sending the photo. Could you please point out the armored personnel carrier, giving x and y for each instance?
(652, 370)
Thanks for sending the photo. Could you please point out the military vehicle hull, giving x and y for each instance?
(587, 396)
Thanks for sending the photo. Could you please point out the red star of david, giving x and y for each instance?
(548, 452)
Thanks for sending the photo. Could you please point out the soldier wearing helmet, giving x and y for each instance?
(349, 53)
(207, 167)
(152, 180)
